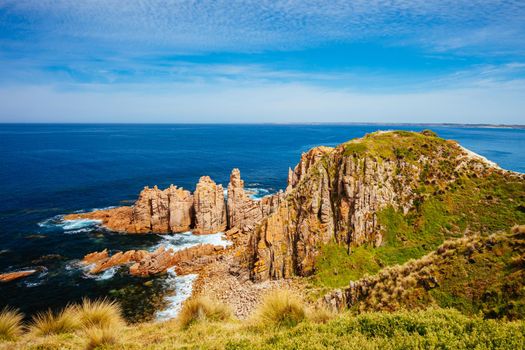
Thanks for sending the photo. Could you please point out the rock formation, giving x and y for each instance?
(210, 209)
(170, 210)
(334, 194)
(143, 263)
(177, 210)
(244, 212)
(11, 276)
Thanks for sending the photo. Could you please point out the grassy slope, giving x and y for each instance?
(444, 329)
(477, 204)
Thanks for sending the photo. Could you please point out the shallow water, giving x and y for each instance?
(47, 171)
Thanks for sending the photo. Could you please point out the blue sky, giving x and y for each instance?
(262, 61)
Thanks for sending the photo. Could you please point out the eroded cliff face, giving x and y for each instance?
(210, 209)
(336, 194)
(178, 210)
(244, 212)
(170, 210)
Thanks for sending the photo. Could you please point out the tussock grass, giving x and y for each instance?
(101, 336)
(428, 329)
(280, 308)
(199, 309)
(320, 314)
(10, 324)
(48, 322)
(101, 313)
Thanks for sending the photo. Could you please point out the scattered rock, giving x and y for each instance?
(11, 276)
(143, 263)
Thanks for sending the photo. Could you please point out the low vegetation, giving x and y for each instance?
(100, 313)
(477, 275)
(90, 324)
(47, 323)
(101, 337)
(469, 205)
(201, 309)
(280, 308)
(10, 324)
(397, 144)
(428, 329)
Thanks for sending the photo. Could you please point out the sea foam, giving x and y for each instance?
(184, 240)
(183, 287)
(69, 226)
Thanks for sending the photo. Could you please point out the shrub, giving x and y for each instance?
(10, 324)
(202, 309)
(47, 323)
(101, 336)
(100, 313)
(280, 308)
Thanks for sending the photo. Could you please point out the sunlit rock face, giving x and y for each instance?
(210, 209)
(244, 212)
(178, 210)
(143, 263)
(335, 194)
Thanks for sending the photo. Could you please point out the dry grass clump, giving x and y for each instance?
(101, 336)
(47, 323)
(280, 308)
(320, 314)
(10, 324)
(202, 308)
(101, 313)
(518, 229)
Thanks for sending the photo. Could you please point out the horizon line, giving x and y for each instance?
(499, 125)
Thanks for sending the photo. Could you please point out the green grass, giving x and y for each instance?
(490, 281)
(429, 329)
(477, 275)
(482, 205)
(396, 145)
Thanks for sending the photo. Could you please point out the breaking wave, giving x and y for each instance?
(180, 241)
(69, 226)
(257, 193)
(183, 287)
(36, 279)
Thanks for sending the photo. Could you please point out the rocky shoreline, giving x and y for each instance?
(332, 195)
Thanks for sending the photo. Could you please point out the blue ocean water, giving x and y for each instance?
(49, 170)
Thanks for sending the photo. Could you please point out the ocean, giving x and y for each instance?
(47, 170)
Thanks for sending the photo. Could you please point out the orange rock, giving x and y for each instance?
(115, 219)
(10, 276)
(210, 210)
(146, 263)
(95, 257)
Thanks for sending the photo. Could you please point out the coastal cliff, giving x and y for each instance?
(338, 195)
(389, 196)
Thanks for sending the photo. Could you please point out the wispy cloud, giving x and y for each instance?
(319, 60)
(204, 26)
